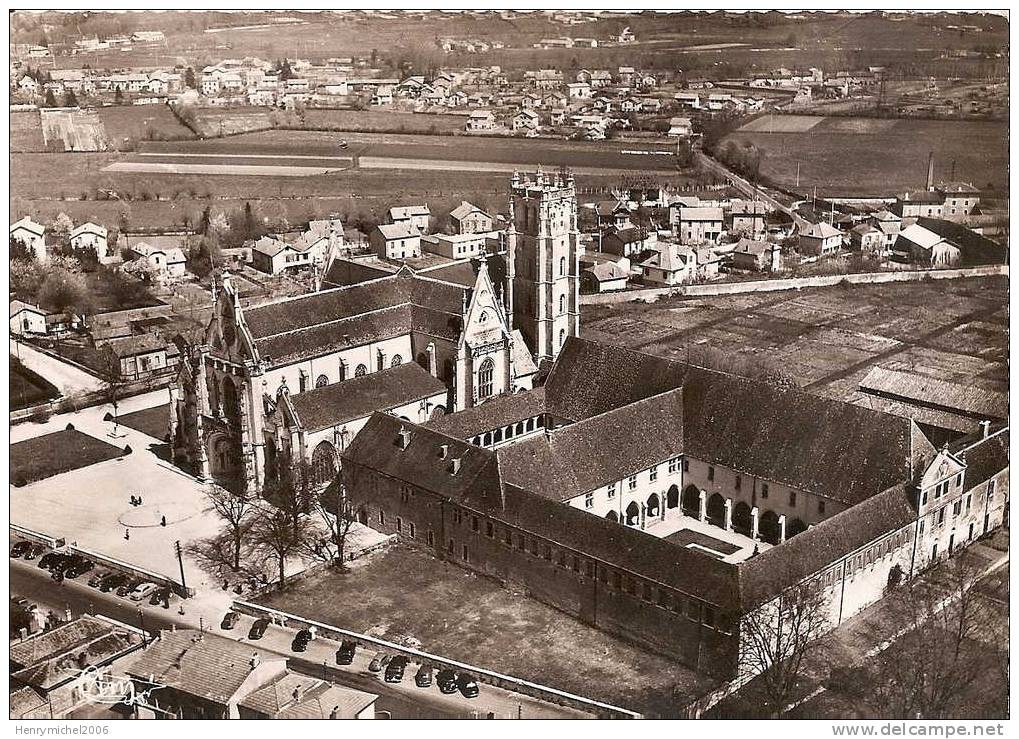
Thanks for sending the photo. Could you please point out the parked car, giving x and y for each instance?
(35, 550)
(51, 560)
(79, 567)
(380, 660)
(230, 620)
(112, 581)
(127, 587)
(97, 579)
(467, 685)
(446, 680)
(258, 629)
(20, 548)
(143, 590)
(301, 640)
(162, 595)
(423, 678)
(395, 669)
(345, 654)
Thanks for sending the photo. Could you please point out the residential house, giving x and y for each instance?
(400, 240)
(557, 117)
(418, 216)
(455, 246)
(820, 239)
(926, 204)
(530, 100)
(547, 79)
(865, 237)
(27, 319)
(470, 219)
(91, 236)
(889, 225)
(680, 127)
(28, 85)
(143, 355)
(626, 75)
(600, 78)
(579, 90)
(961, 199)
(297, 696)
(32, 236)
(747, 217)
(383, 95)
(614, 213)
(457, 99)
(480, 120)
(274, 255)
(688, 99)
(526, 121)
(672, 264)
(699, 225)
(756, 256)
(602, 277)
(628, 241)
(64, 668)
(163, 254)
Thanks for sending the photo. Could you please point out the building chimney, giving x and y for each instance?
(985, 429)
(455, 465)
(255, 660)
(404, 441)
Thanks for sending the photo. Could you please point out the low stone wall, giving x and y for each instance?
(507, 682)
(792, 283)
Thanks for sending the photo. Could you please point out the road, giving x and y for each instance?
(403, 700)
(68, 378)
(741, 184)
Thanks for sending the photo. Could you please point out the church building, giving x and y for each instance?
(296, 378)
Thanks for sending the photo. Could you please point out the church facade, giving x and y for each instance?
(297, 378)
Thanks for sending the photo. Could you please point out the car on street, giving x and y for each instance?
(301, 639)
(20, 548)
(258, 629)
(35, 550)
(423, 678)
(143, 590)
(162, 595)
(380, 660)
(230, 620)
(112, 581)
(345, 654)
(467, 685)
(79, 567)
(97, 579)
(395, 669)
(446, 680)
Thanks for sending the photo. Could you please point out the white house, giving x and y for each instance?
(417, 215)
(32, 235)
(401, 240)
(168, 261)
(27, 319)
(91, 236)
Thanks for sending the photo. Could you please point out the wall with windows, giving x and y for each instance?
(308, 374)
(615, 600)
(637, 499)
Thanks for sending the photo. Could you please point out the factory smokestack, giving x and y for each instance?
(930, 172)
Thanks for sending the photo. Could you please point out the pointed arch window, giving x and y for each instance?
(486, 375)
(562, 266)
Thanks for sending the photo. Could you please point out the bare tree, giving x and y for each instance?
(338, 515)
(109, 372)
(776, 640)
(279, 537)
(927, 671)
(236, 510)
(294, 490)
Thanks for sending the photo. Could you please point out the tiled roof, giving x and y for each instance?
(952, 396)
(603, 271)
(29, 225)
(523, 360)
(205, 665)
(463, 210)
(408, 211)
(23, 699)
(495, 413)
(398, 230)
(344, 272)
(377, 446)
(700, 214)
(752, 246)
(820, 231)
(819, 445)
(89, 227)
(582, 456)
(671, 257)
(51, 657)
(986, 458)
(131, 346)
(315, 699)
(764, 576)
(358, 397)
(974, 248)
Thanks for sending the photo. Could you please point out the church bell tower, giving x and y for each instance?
(543, 261)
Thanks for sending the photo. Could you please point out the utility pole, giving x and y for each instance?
(180, 561)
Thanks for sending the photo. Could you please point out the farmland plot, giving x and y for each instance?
(72, 129)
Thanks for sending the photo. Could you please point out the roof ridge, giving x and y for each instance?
(373, 311)
(295, 298)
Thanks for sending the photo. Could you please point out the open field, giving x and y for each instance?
(860, 156)
(234, 120)
(26, 132)
(827, 339)
(56, 453)
(27, 388)
(406, 595)
(133, 123)
(76, 130)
